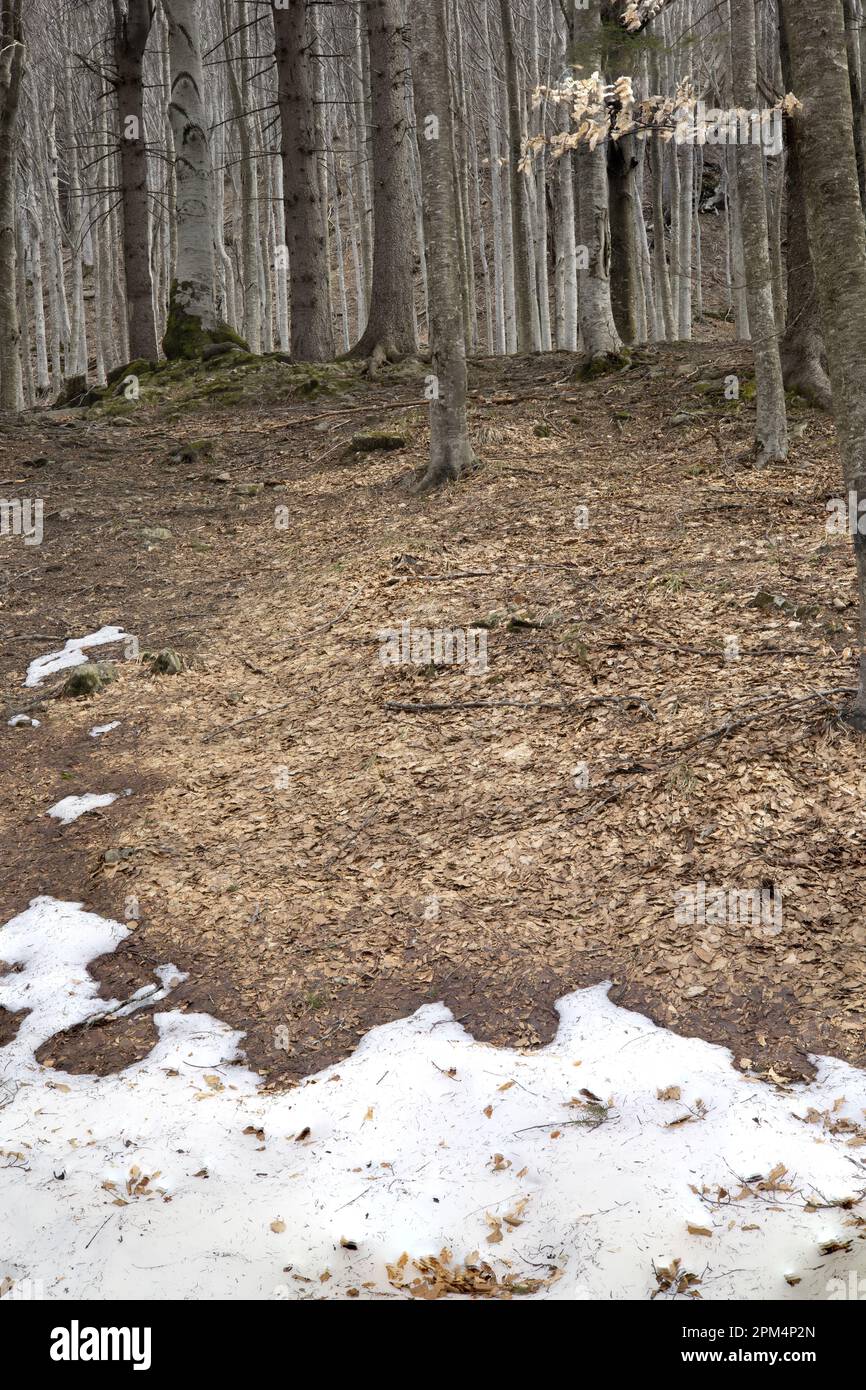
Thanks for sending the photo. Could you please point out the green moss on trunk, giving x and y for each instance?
(185, 335)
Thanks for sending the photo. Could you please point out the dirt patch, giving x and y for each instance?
(10, 1022)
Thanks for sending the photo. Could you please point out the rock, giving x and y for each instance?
(219, 350)
(166, 662)
(193, 451)
(88, 679)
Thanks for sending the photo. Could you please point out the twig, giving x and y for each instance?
(418, 707)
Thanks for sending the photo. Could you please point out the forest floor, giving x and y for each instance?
(319, 860)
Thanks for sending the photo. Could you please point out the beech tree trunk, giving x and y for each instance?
(132, 25)
(837, 235)
(390, 327)
(450, 450)
(312, 332)
(524, 275)
(802, 347)
(192, 316)
(598, 331)
(12, 55)
(771, 427)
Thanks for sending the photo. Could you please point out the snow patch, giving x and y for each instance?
(72, 654)
(71, 807)
(570, 1158)
(99, 729)
(23, 719)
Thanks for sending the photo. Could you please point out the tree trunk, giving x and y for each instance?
(312, 330)
(853, 26)
(131, 31)
(598, 330)
(771, 426)
(450, 450)
(12, 56)
(192, 316)
(391, 326)
(522, 233)
(802, 347)
(837, 235)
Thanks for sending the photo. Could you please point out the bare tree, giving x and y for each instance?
(837, 235)
(771, 427)
(12, 56)
(192, 318)
(390, 329)
(312, 331)
(451, 453)
(133, 20)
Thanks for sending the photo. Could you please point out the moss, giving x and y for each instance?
(166, 662)
(116, 407)
(139, 366)
(602, 364)
(373, 441)
(88, 679)
(185, 336)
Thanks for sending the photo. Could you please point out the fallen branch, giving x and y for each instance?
(409, 707)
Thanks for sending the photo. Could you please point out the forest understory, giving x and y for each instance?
(324, 844)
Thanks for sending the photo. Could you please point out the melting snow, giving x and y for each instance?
(73, 654)
(99, 729)
(180, 1178)
(71, 807)
(22, 719)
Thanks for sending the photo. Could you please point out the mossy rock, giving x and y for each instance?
(166, 662)
(313, 386)
(374, 441)
(186, 336)
(116, 407)
(88, 679)
(139, 366)
(603, 364)
(193, 451)
(77, 393)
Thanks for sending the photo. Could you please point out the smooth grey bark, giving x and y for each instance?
(802, 347)
(192, 317)
(390, 327)
(451, 453)
(664, 295)
(12, 59)
(837, 235)
(853, 25)
(133, 21)
(598, 331)
(625, 266)
(312, 333)
(524, 289)
(771, 431)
